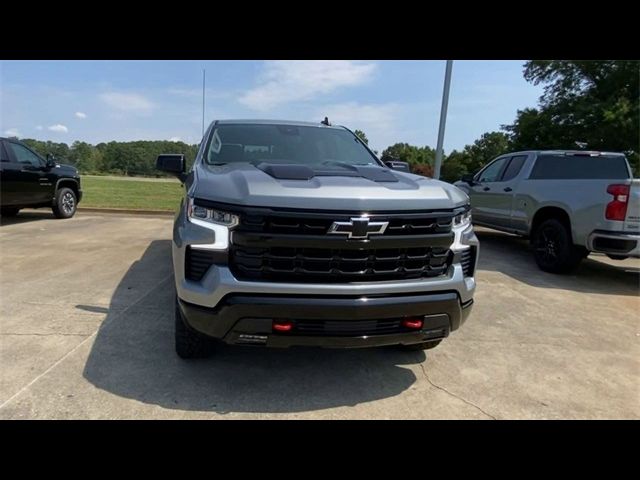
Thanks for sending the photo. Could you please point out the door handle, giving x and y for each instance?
(508, 189)
(486, 189)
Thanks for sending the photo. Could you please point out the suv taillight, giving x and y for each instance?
(617, 208)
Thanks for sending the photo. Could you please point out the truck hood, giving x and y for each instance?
(66, 170)
(379, 189)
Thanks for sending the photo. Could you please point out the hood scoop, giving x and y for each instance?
(305, 172)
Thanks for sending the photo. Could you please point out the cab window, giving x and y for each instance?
(24, 156)
(493, 171)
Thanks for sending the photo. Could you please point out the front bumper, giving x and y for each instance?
(615, 243)
(247, 319)
(223, 307)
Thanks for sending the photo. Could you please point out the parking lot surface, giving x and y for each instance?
(86, 331)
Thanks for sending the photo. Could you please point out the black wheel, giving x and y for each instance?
(9, 211)
(65, 204)
(554, 251)
(189, 343)
(421, 346)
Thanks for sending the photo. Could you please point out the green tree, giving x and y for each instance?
(410, 153)
(485, 149)
(360, 134)
(454, 166)
(595, 102)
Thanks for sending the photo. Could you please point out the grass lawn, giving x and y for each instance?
(111, 192)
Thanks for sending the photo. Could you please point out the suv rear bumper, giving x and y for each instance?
(616, 243)
(247, 319)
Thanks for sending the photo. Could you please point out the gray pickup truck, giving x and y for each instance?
(295, 233)
(569, 203)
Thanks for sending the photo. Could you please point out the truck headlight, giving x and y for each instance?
(462, 230)
(210, 215)
(218, 221)
(462, 220)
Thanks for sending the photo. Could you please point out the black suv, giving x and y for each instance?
(29, 181)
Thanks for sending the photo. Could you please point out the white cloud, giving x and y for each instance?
(81, 115)
(39, 127)
(58, 128)
(286, 81)
(129, 102)
(12, 132)
(175, 139)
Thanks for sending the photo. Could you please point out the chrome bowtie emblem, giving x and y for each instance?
(358, 227)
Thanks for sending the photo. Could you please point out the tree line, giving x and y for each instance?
(585, 104)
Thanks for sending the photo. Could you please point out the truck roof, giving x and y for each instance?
(567, 152)
(274, 122)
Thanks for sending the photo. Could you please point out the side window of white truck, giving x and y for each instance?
(493, 171)
(514, 167)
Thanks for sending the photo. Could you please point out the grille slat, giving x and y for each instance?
(350, 327)
(335, 266)
(197, 262)
(467, 261)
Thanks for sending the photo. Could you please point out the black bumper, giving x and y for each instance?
(341, 322)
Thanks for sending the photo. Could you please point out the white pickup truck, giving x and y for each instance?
(569, 203)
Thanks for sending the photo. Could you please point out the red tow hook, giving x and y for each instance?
(414, 323)
(282, 325)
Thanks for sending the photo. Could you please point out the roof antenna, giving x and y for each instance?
(326, 121)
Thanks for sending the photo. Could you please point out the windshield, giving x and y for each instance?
(286, 144)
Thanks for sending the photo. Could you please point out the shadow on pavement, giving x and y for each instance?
(511, 255)
(133, 357)
(27, 216)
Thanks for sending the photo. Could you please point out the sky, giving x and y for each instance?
(391, 101)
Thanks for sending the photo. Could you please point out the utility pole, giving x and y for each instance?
(204, 72)
(443, 118)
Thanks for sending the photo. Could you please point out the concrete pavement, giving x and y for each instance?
(86, 331)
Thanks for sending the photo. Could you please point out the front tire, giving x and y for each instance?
(554, 250)
(65, 204)
(415, 347)
(617, 257)
(9, 211)
(189, 343)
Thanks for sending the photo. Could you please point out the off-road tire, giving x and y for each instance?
(188, 342)
(414, 347)
(9, 211)
(553, 248)
(65, 204)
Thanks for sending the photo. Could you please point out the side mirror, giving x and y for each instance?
(172, 163)
(51, 161)
(468, 179)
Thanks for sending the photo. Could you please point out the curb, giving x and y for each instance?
(124, 210)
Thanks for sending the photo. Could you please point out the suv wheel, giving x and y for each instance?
(189, 343)
(421, 346)
(65, 204)
(554, 251)
(9, 211)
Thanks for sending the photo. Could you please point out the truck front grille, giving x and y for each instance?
(297, 246)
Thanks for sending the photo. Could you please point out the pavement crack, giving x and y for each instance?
(424, 372)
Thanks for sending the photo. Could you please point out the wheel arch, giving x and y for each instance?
(68, 183)
(550, 211)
